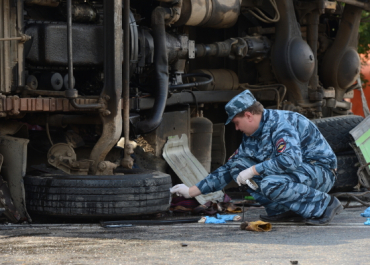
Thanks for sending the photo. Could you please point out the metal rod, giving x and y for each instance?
(70, 61)
(126, 72)
(69, 44)
(21, 56)
(12, 38)
(112, 92)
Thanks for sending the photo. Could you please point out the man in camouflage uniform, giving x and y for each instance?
(283, 158)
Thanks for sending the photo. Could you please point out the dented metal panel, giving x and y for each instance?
(177, 154)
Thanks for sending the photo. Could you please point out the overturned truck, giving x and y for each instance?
(76, 76)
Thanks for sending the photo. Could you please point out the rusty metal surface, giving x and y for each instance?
(4, 46)
(127, 161)
(13, 105)
(63, 157)
(106, 168)
(112, 123)
(11, 44)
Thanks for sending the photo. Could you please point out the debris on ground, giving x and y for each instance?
(366, 213)
(229, 217)
(219, 219)
(211, 220)
(183, 205)
(258, 226)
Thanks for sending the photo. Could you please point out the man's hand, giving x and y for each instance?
(181, 190)
(246, 175)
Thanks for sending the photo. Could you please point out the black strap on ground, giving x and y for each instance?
(128, 223)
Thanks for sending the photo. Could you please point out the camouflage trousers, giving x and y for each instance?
(303, 191)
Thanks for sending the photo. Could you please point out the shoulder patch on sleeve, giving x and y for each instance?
(280, 145)
(235, 153)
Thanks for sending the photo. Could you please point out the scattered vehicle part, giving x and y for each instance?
(257, 226)
(177, 154)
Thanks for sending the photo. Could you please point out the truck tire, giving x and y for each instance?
(336, 130)
(347, 173)
(140, 192)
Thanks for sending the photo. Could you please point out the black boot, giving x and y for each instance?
(334, 208)
(288, 216)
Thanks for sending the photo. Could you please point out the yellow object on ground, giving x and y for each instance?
(258, 226)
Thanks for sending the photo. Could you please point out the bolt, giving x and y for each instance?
(69, 154)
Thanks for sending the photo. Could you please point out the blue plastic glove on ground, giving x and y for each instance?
(366, 213)
(367, 222)
(214, 220)
(226, 217)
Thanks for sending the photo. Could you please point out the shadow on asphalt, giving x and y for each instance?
(346, 227)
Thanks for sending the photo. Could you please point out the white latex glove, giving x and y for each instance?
(181, 190)
(244, 176)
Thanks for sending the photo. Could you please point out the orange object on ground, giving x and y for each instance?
(356, 101)
(257, 226)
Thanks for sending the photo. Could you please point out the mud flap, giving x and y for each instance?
(14, 151)
(177, 154)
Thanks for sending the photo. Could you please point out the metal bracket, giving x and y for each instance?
(63, 157)
(191, 49)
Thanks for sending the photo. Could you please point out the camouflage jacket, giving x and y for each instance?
(283, 142)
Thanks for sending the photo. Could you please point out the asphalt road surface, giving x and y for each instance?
(345, 241)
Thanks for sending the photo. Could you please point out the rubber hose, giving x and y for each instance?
(195, 84)
(160, 70)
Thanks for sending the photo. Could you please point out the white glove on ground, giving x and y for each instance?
(244, 176)
(181, 190)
